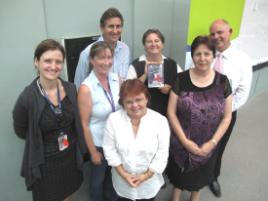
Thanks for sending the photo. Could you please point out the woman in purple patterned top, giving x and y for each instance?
(199, 111)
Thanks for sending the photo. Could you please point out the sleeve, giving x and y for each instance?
(227, 88)
(126, 62)
(20, 117)
(171, 71)
(78, 123)
(179, 69)
(109, 144)
(82, 69)
(159, 161)
(176, 85)
(188, 61)
(132, 74)
(240, 95)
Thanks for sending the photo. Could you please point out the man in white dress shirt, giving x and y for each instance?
(236, 65)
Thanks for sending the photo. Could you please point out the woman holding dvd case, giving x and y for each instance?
(155, 70)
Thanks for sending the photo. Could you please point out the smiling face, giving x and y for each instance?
(135, 105)
(220, 34)
(112, 30)
(153, 44)
(102, 62)
(202, 57)
(50, 64)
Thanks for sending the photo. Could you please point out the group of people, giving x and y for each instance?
(133, 133)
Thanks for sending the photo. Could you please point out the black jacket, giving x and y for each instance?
(26, 116)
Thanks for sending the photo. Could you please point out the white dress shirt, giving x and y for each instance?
(237, 67)
(147, 150)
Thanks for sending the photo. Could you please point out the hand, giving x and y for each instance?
(96, 157)
(192, 147)
(132, 180)
(165, 89)
(206, 148)
(143, 77)
(145, 69)
(139, 179)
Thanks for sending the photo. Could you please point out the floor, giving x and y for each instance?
(244, 175)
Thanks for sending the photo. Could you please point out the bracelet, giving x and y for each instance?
(214, 141)
(148, 175)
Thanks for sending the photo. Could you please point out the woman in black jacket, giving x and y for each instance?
(47, 118)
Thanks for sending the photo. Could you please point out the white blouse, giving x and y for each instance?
(147, 150)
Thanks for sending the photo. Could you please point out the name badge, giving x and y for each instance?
(63, 141)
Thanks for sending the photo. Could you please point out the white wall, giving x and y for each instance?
(253, 34)
(18, 36)
(170, 17)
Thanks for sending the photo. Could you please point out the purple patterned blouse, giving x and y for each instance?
(200, 111)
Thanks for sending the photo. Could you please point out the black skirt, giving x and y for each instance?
(60, 177)
(193, 180)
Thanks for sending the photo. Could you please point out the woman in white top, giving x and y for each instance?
(98, 97)
(135, 144)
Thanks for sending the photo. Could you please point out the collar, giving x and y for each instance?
(226, 53)
(111, 78)
(128, 119)
(143, 57)
(118, 46)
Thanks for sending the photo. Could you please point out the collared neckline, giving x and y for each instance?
(111, 78)
(226, 53)
(143, 57)
(129, 119)
(118, 46)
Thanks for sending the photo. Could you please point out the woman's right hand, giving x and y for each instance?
(143, 77)
(132, 180)
(192, 147)
(96, 157)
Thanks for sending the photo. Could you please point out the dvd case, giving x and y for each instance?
(155, 75)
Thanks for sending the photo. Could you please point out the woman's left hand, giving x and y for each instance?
(165, 89)
(139, 179)
(206, 148)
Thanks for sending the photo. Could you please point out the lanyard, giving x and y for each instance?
(63, 141)
(55, 110)
(109, 97)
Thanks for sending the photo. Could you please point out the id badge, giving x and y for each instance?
(63, 141)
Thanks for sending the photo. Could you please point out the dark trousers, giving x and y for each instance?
(125, 199)
(223, 143)
(101, 187)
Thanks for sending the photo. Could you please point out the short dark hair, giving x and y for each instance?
(111, 13)
(132, 87)
(202, 40)
(48, 44)
(96, 48)
(155, 31)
